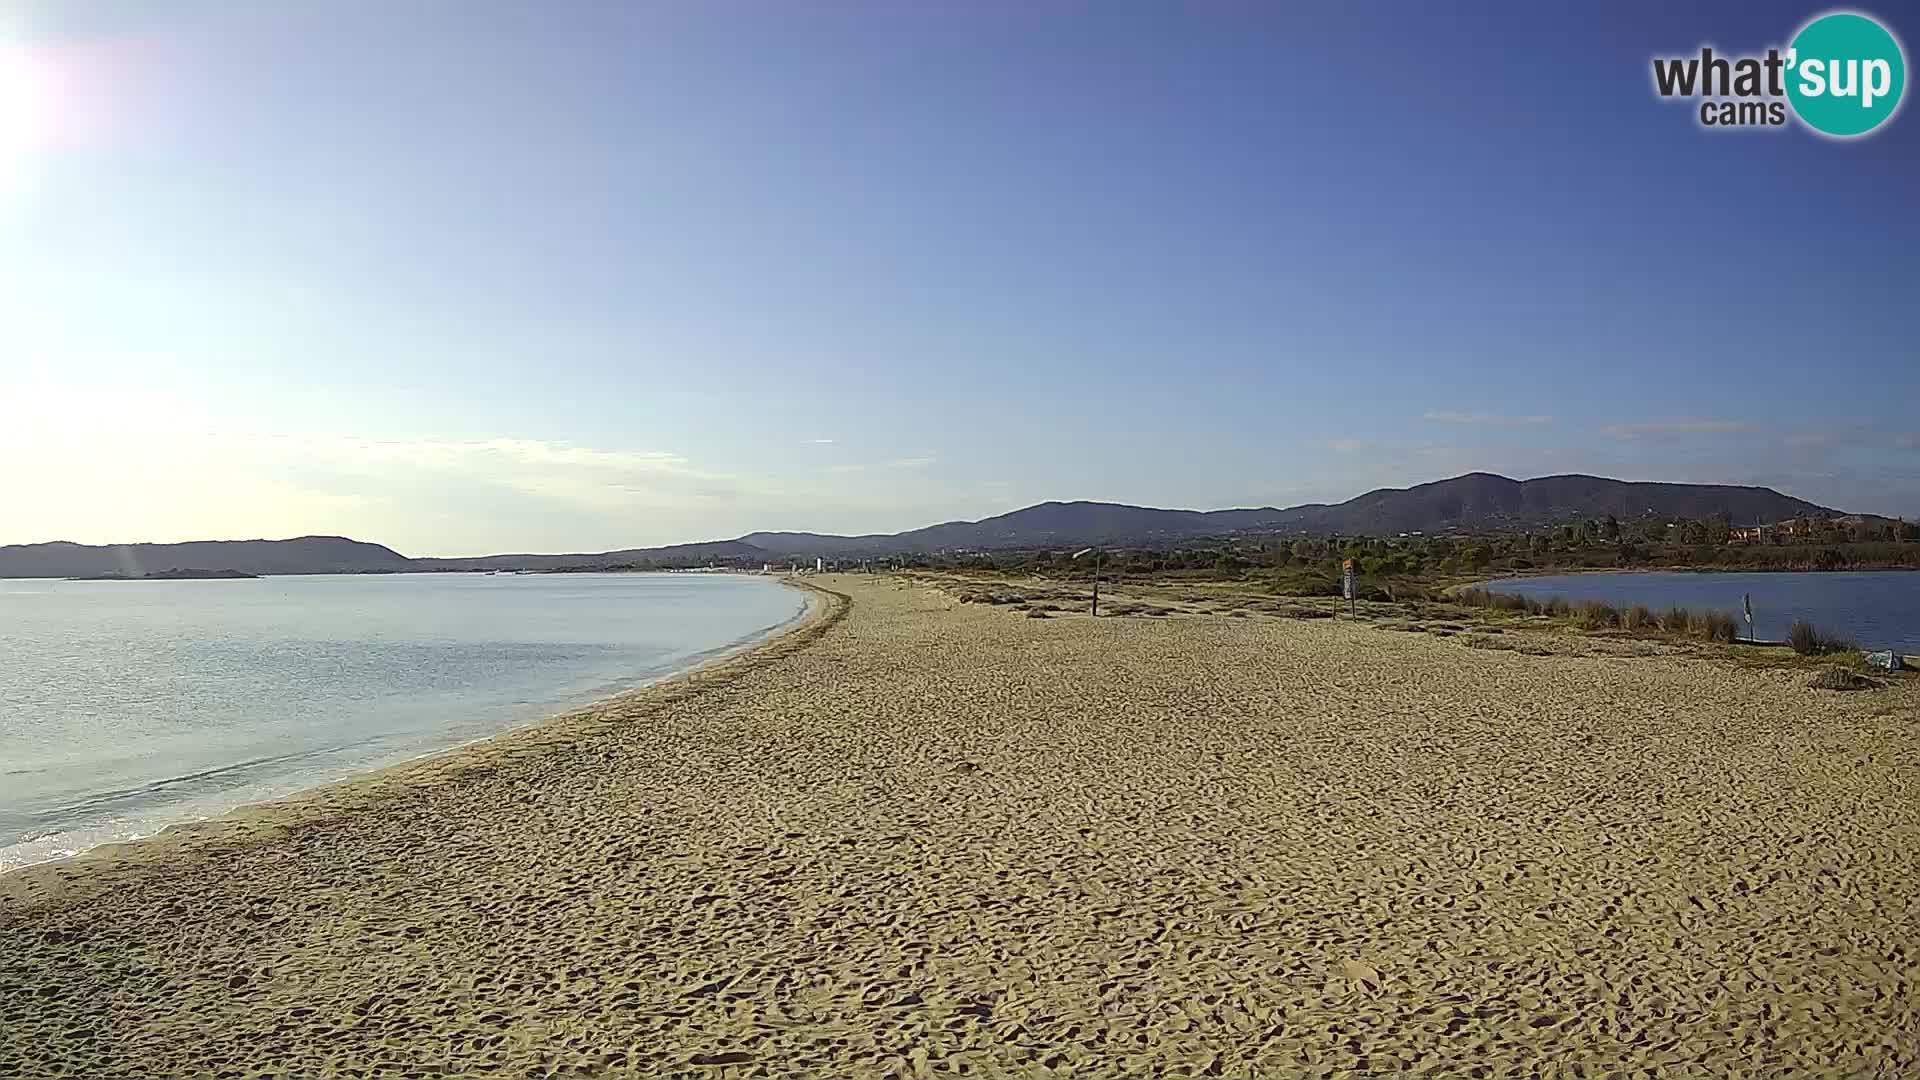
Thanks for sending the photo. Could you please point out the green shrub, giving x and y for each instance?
(1716, 625)
(1498, 601)
(1303, 582)
(1594, 615)
(1809, 640)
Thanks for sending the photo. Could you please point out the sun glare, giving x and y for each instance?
(26, 112)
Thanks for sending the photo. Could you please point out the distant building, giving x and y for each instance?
(1777, 532)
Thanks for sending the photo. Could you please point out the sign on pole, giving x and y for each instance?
(1096, 575)
(1346, 582)
(1749, 605)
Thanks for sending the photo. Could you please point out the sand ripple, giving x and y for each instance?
(946, 840)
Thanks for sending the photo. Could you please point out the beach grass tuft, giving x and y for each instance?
(1678, 621)
(1715, 626)
(1594, 615)
(1809, 640)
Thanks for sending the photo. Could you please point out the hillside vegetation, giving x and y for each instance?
(1397, 567)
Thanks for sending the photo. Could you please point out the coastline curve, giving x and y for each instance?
(184, 844)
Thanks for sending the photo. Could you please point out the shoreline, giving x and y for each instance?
(1881, 568)
(921, 837)
(254, 819)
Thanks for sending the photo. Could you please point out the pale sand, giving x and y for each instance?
(937, 839)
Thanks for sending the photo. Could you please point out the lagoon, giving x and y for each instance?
(1881, 609)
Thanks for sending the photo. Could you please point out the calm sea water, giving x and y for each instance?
(126, 706)
(1880, 608)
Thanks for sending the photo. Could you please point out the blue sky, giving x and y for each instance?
(474, 277)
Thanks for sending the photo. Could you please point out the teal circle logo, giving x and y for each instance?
(1845, 74)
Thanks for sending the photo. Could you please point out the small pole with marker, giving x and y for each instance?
(1346, 585)
(1096, 553)
(1749, 606)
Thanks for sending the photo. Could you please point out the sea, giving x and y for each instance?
(1878, 608)
(126, 706)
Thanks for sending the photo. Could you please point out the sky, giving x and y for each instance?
(473, 277)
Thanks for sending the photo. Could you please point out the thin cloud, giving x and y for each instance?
(1394, 449)
(896, 463)
(584, 476)
(459, 453)
(1481, 419)
(178, 477)
(1682, 425)
(1807, 440)
(820, 442)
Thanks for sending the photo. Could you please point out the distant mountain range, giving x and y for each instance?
(1486, 501)
(303, 555)
(1476, 501)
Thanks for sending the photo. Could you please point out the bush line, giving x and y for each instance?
(1708, 625)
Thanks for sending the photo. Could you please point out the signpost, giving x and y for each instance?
(1096, 553)
(1346, 583)
(1749, 603)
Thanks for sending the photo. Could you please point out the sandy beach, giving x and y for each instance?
(915, 838)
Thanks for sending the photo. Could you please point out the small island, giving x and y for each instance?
(171, 575)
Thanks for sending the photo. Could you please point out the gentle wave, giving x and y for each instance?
(124, 710)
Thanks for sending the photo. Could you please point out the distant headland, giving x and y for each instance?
(172, 575)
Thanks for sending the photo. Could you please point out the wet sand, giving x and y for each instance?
(920, 838)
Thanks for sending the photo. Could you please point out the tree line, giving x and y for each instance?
(1311, 565)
